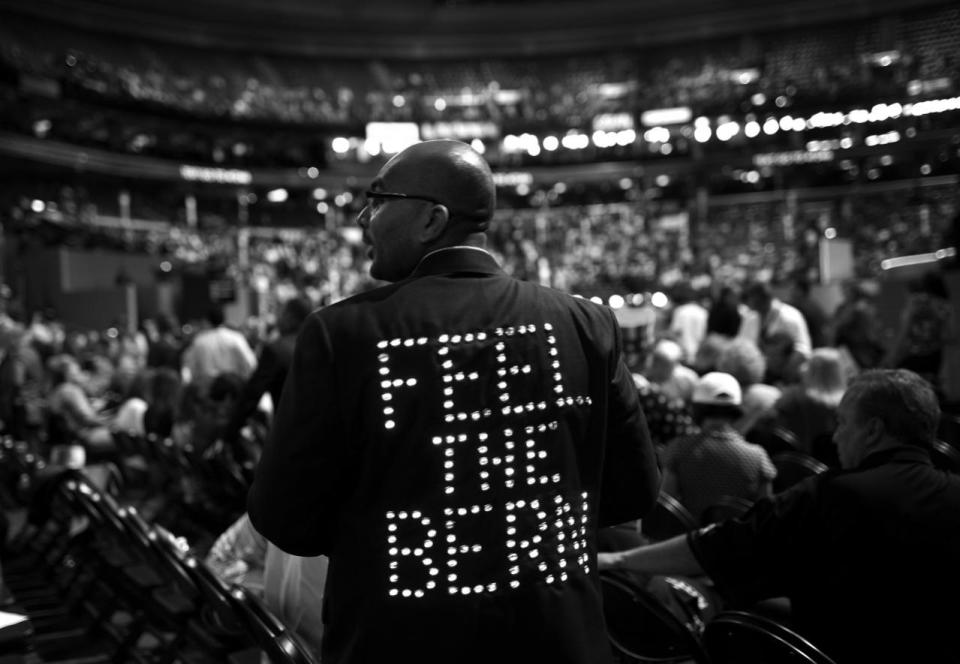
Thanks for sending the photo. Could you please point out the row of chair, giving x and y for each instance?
(97, 578)
(644, 630)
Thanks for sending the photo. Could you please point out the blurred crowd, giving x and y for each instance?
(856, 63)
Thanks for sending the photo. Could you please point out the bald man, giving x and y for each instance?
(454, 440)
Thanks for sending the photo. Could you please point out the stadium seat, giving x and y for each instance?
(945, 456)
(668, 518)
(643, 628)
(741, 637)
(793, 467)
(271, 635)
(728, 507)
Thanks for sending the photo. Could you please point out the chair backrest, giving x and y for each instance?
(949, 429)
(945, 456)
(267, 630)
(773, 439)
(667, 519)
(741, 637)
(793, 467)
(728, 507)
(642, 628)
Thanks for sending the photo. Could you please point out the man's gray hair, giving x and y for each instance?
(902, 400)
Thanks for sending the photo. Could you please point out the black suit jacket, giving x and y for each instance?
(269, 376)
(453, 442)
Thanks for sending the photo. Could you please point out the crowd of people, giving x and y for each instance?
(711, 394)
(832, 64)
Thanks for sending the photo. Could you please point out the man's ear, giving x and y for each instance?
(875, 428)
(436, 224)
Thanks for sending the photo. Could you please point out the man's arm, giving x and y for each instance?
(300, 481)
(672, 556)
(259, 381)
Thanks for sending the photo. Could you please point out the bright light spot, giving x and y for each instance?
(319, 193)
(873, 174)
(830, 233)
(666, 148)
(41, 127)
(799, 124)
(659, 300)
(371, 147)
(771, 126)
(575, 141)
(626, 137)
(781, 101)
(616, 301)
(846, 142)
(626, 183)
(340, 200)
(752, 129)
(656, 135)
(702, 133)
(601, 139)
(728, 130)
(399, 101)
(758, 99)
(440, 103)
(322, 207)
(37, 205)
(313, 172)
(560, 187)
(478, 145)
(551, 143)
(786, 123)
(662, 180)
(596, 299)
(636, 299)
(925, 169)
(277, 195)
(886, 160)
(340, 145)
(753, 177)
(523, 189)
(165, 266)
(859, 115)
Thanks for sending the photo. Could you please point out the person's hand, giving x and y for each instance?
(610, 560)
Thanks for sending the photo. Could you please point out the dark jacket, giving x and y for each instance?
(453, 441)
(866, 556)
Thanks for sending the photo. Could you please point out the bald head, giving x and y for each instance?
(448, 171)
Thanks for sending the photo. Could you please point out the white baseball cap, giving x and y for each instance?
(718, 389)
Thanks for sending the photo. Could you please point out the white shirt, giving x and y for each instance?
(689, 327)
(217, 351)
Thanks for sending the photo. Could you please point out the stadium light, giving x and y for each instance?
(702, 133)
(752, 129)
(340, 145)
(771, 127)
(277, 195)
(665, 116)
(551, 143)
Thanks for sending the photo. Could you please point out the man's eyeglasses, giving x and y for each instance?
(373, 195)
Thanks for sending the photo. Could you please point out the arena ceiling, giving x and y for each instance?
(430, 29)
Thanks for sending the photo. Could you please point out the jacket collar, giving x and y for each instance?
(457, 259)
(900, 454)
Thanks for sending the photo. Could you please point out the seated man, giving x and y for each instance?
(701, 468)
(865, 554)
(666, 371)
